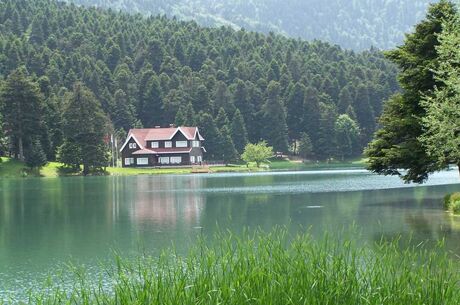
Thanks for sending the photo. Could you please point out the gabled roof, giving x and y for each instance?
(142, 136)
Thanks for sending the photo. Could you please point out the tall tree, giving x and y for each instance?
(396, 145)
(84, 128)
(22, 106)
(441, 136)
(275, 118)
(238, 131)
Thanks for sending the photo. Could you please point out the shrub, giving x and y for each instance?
(452, 203)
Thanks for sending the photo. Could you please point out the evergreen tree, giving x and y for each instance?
(35, 157)
(275, 118)
(305, 146)
(228, 148)
(396, 145)
(294, 103)
(123, 116)
(212, 135)
(85, 128)
(222, 119)
(441, 136)
(239, 133)
(185, 116)
(326, 144)
(151, 112)
(22, 110)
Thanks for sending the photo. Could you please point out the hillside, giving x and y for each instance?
(157, 71)
(357, 24)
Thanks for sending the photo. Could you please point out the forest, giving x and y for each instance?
(356, 24)
(138, 71)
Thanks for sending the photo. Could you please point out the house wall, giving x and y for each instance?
(153, 160)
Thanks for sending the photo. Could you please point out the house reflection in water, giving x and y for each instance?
(167, 201)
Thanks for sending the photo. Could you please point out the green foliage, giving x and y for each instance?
(452, 203)
(269, 268)
(347, 137)
(305, 146)
(157, 71)
(84, 129)
(257, 153)
(35, 157)
(22, 107)
(238, 131)
(358, 24)
(441, 124)
(397, 145)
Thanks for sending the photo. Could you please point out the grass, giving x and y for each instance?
(11, 168)
(273, 268)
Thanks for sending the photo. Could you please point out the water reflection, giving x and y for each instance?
(44, 222)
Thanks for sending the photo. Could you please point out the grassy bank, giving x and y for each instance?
(272, 268)
(11, 168)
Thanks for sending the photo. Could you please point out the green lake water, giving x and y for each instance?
(45, 223)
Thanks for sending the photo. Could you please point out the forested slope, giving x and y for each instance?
(355, 24)
(157, 71)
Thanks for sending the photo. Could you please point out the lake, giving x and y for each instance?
(45, 223)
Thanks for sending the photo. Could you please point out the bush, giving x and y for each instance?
(455, 207)
(452, 203)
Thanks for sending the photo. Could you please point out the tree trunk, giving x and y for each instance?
(85, 170)
(21, 149)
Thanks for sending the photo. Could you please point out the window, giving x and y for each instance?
(164, 160)
(195, 143)
(132, 145)
(155, 145)
(181, 143)
(200, 159)
(168, 144)
(129, 161)
(176, 160)
(142, 161)
(192, 159)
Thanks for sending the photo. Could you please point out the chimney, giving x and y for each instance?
(171, 125)
(157, 126)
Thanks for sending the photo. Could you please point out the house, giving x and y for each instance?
(158, 146)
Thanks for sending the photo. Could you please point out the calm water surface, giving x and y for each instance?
(47, 222)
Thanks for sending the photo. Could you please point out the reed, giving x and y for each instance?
(273, 268)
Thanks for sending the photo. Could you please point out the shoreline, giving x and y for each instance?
(10, 168)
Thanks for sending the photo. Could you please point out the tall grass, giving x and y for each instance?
(274, 268)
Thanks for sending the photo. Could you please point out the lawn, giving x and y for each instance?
(11, 168)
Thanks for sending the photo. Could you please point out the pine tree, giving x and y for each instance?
(222, 119)
(212, 135)
(35, 157)
(305, 146)
(227, 147)
(85, 128)
(275, 119)
(397, 145)
(239, 133)
(22, 110)
(185, 116)
(151, 113)
(294, 103)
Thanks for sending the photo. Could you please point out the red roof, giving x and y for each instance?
(141, 136)
(160, 151)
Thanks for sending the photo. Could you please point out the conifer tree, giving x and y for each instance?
(84, 127)
(275, 119)
(239, 133)
(22, 107)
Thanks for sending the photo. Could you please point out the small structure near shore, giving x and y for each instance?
(154, 147)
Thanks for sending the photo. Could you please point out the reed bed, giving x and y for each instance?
(274, 268)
